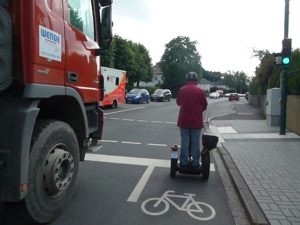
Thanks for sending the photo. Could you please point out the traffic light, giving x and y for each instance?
(286, 51)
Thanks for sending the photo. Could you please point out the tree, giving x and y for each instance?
(179, 58)
(107, 56)
(264, 71)
(142, 59)
(212, 76)
(124, 57)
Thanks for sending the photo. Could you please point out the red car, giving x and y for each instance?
(234, 96)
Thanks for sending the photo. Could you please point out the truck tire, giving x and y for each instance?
(53, 168)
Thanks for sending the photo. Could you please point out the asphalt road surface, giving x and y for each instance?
(127, 180)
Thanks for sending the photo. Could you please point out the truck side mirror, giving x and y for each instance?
(104, 3)
(106, 24)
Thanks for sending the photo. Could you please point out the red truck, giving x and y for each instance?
(50, 89)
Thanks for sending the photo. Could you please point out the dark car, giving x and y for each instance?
(234, 96)
(137, 95)
(161, 95)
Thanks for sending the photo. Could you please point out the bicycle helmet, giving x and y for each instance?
(191, 76)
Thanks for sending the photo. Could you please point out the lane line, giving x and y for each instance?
(141, 185)
(111, 118)
(245, 114)
(128, 119)
(143, 121)
(156, 121)
(127, 160)
(125, 110)
(161, 145)
(133, 143)
(112, 141)
(171, 122)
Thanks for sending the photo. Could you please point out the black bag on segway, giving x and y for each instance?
(209, 141)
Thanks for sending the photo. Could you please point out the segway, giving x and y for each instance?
(209, 142)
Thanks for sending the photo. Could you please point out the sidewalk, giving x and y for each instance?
(264, 167)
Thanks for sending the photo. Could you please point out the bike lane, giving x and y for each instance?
(107, 198)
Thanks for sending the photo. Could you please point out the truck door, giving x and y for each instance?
(82, 67)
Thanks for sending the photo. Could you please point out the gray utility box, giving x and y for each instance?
(273, 107)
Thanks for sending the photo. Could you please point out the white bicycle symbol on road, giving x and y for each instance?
(190, 205)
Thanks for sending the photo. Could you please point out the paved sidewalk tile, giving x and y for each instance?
(269, 165)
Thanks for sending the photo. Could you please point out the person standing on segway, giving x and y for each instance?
(192, 102)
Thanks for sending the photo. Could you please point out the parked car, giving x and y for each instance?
(227, 95)
(234, 96)
(137, 95)
(214, 95)
(161, 95)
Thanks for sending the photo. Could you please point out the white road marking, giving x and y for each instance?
(214, 130)
(245, 114)
(124, 110)
(109, 141)
(226, 130)
(171, 122)
(114, 118)
(132, 160)
(128, 119)
(143, 121)
(133, 143)
(156, 121)
(127, 160)
(141, 184)
(150, 163)
(162, 145)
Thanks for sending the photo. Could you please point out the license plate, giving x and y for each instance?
(174, 155)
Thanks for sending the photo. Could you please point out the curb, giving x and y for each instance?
(252, 208)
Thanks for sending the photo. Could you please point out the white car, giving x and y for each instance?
(214, 95)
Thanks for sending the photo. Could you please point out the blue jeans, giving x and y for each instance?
(195, 145)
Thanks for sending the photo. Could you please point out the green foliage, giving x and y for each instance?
(108, 55)
(143, 70)
(132, 57)
(254, 86)
(206, 93)
(179, 58)
(294, 74)
(212, 76)
(124, 57)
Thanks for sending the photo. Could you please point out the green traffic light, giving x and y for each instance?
(286, 61)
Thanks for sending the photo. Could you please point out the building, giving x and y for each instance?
(221, 84)
(157, 77)
(205, 84)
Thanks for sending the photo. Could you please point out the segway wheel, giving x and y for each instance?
(173, 168)
(205, 161)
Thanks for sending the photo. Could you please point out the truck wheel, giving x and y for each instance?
(53, 168)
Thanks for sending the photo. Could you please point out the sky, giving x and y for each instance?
(227, 31)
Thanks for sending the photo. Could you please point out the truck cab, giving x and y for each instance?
(50, 89)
